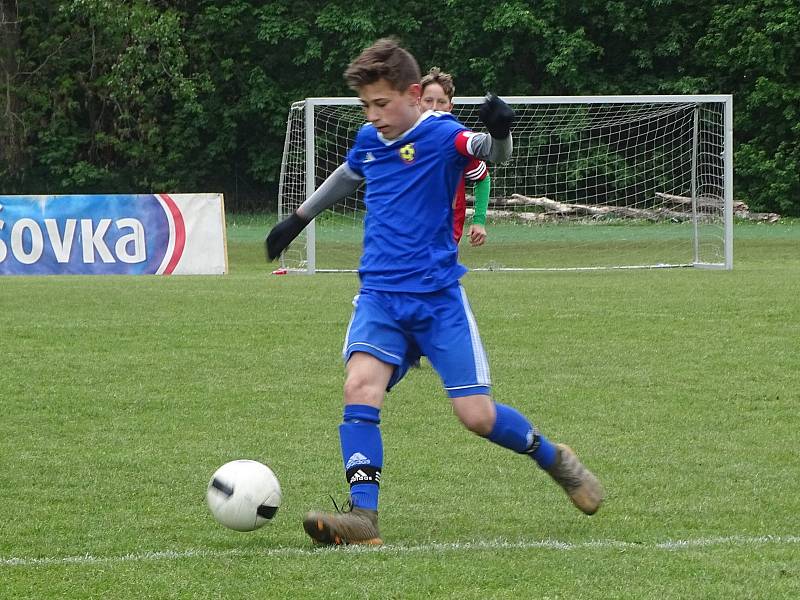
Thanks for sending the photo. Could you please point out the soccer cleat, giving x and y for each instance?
(353, 526)
(582, 487)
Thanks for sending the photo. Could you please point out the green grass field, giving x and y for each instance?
(680, 388)
(514, 244)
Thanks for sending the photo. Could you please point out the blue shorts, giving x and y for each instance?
(400, 327)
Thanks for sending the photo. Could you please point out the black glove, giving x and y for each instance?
(282, 235)
(497, 116)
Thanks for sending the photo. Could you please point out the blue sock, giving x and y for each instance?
(362, 453)
(513, 431)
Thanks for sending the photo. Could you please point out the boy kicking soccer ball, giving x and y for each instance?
(411, 302)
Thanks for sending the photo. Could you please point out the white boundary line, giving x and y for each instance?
(668, 545)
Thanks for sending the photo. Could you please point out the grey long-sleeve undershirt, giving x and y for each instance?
(344, 181)
(485, 147)
(339, 184)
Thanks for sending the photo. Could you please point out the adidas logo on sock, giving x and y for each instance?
(360, 476)
(365, 474)
(356, 459)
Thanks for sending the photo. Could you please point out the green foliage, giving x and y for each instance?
(142, 95)
(754, 48)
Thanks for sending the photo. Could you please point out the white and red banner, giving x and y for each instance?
(162, 234)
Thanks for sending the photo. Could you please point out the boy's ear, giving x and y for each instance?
(415, 92)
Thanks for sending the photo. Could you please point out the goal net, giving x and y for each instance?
(593, 183)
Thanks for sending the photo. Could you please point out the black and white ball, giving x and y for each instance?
(243, 495)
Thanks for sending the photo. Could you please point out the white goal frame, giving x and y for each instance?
(309, 107)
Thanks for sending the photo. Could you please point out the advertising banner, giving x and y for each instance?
(141, 234)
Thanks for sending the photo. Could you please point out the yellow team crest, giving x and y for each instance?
(407, 153)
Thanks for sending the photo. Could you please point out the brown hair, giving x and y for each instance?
(436, 75)
(385, 59)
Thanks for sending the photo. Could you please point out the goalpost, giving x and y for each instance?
(603, 182)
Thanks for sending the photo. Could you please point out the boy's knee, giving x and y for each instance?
(476, 413)
(362, 390)
(366, 381)
(478, 424)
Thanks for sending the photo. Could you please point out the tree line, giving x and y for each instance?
(182, 96)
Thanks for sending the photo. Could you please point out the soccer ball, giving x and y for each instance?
(243, 495)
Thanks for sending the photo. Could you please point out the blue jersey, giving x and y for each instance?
(411, 182)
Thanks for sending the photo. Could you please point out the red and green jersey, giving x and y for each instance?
(474, 171)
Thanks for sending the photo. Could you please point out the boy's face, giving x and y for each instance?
(391, 112)
(434, 98)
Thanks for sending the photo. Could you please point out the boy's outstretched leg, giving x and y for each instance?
(507, 427)
(362, 452)
(362, 455)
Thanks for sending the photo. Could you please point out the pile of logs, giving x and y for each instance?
(672, 208)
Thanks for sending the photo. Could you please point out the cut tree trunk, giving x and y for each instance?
(681, 209)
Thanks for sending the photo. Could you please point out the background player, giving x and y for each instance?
(437, 92)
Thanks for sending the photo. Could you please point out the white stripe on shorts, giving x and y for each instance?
(481, 364)
(349, 325)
